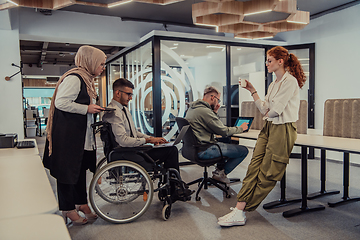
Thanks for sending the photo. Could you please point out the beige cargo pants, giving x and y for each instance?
(268, 163)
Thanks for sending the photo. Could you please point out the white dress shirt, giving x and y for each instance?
(121, 128)
(282, 101)
(67, 93)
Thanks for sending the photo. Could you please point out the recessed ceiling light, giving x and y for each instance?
(265, 11)
(13, 2)
(118, 3)
(297, 22)
(214, 46)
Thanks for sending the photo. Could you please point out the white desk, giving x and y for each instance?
(25, 188)
(349, 145)
(39, 227)
(14, 152)
(345, 145)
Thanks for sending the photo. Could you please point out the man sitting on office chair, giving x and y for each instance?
(126, 135)
(203, 119)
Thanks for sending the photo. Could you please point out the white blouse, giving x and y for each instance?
(282, 101)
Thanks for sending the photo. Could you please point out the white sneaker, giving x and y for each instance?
(231, 209)
(220, 176)
(235, 218)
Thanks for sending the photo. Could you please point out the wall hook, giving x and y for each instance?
(8, 78)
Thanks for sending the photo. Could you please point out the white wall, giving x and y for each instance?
(11, 118)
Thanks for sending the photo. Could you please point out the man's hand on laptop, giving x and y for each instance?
(156, 140)
(244, 126)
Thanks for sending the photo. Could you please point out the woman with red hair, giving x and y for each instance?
(277, 137)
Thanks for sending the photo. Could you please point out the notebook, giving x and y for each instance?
(177, 139)
(241, 120)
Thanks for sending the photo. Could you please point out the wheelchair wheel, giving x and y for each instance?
(124, 193)
(166, 211)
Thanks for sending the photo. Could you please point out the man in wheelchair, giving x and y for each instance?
(126, 136)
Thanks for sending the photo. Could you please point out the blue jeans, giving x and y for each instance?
(235, 153)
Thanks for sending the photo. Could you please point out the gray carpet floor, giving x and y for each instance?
(198, 219)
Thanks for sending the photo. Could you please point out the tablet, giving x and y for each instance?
(109, 109)
(241, 120)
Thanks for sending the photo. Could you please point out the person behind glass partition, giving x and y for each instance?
(205, 123)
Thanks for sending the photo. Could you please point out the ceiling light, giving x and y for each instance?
(262, 38)
(242, 38)
(209, 25)
(13, 3)
(118, 3)
(173, 48)
(212, 46)
(297, 22)
(175, 44)
(303, 59)
(248, 14)
(238, 49)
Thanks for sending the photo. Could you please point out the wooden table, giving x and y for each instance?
(25, 187)
(345, 145)
(15, 152)
(39, 227)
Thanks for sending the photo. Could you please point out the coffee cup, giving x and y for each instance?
(243, 83)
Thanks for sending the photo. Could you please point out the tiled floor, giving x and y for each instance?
(197, 220)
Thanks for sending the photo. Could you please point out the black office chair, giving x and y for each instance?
(190, 150)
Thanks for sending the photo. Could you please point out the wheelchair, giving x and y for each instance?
(121, 191)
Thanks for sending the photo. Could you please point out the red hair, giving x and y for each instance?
(291, 63)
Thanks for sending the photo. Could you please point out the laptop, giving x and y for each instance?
(177, 139)
(241, 120)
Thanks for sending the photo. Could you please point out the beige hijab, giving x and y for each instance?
(87, 60)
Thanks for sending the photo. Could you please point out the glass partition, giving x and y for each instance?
(185, 66)
(116, 71)
(246, 63)
(306, 55)
(303, 56)
(138, 70)
(186, 69)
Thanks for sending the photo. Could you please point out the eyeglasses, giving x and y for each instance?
(128, 93)
(268, 62)
(219, 101)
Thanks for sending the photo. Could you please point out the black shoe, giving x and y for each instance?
(184, 194)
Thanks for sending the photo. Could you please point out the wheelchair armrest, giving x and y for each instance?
(140, 150)
(94, 125)
(133, 149)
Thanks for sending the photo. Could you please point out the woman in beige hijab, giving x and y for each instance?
(70, 145)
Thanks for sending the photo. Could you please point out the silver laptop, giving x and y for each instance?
(177, 139)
